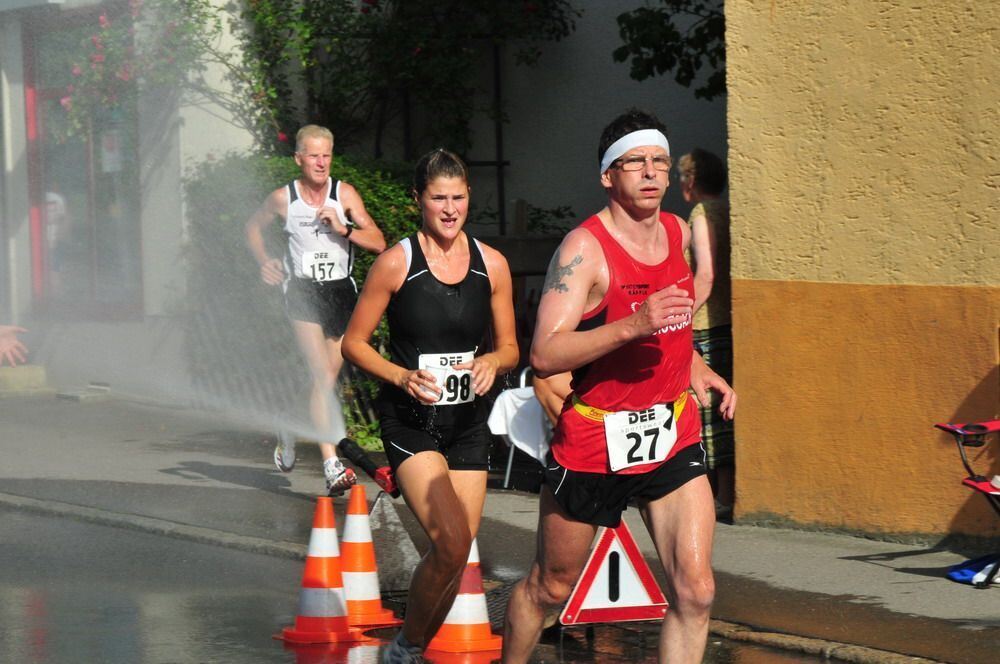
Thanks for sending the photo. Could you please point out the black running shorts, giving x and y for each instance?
(599, 499)
(328, 303)
(464, 447)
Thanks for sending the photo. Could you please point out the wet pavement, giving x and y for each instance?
(132, 532)
(73, 591)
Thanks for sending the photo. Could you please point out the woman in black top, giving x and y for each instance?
(445, 295)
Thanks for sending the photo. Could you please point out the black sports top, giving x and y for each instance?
(430, 318)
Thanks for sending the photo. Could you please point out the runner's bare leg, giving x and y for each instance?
(682, 524)
(448, 505)
(324, 360)
(563, 546)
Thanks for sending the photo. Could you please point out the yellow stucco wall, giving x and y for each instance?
(865, 189)
(865, 140)
(840, 386)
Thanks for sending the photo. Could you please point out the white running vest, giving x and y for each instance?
(315, 251)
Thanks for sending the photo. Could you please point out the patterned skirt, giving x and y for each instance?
(716, 347)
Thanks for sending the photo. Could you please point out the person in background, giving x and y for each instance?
(551, 392)
(11, 349)
(703, 179)
(448, 301)
(324, 220)
(58, 235)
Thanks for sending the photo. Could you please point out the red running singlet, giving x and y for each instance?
(643, 372)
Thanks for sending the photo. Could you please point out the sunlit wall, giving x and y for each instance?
(866, 259)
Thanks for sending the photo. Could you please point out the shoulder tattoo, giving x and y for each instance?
(554, 277)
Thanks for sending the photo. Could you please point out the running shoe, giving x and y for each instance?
(284, 452)
(397, 653)
(338, 477)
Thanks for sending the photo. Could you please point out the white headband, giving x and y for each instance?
(634, 140)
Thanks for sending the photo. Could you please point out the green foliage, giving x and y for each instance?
(366, 67)
(360, 68)
(427, 54)
(367, 435)
(551, 221)
(681, 37)
(538, 221)
(170, 45)
(129, 45)
(275, 37)
(239, 343)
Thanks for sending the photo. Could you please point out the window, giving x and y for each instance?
(83, 180)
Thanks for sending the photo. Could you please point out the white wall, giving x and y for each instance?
(178, 133)
(205, 128)
(14, 198)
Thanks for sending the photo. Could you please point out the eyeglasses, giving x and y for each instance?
(637, 163)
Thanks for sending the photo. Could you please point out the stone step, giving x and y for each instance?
(24, 380)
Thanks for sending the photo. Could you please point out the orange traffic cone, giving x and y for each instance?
(361, 586)
(334, 653)
(466, 628)
(484, 657)
(322, 616)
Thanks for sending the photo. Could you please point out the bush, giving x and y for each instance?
(241, 352)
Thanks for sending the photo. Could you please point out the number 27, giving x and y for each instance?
(633, 456)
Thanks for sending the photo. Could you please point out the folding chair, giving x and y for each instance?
(518, 418)
(974, 435)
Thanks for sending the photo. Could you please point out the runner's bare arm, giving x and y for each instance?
(703, 243)
(505, 353)
(551, 393)
(703, 379)
(384, 278)
(366, 233)
(271, 270)
(685, 233)
(576, 282)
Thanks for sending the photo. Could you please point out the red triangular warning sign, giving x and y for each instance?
(616, 584)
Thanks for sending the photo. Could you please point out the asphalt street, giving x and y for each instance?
(120, 514)
(72, 590)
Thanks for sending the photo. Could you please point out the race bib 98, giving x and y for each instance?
(455, 384)
(639, 437)
(318, 266)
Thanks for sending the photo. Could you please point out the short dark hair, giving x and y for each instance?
(705, 169)
(436, 164)
(631, 120)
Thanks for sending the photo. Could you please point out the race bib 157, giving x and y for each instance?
(318, 266)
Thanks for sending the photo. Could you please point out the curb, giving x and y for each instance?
(156, 526)
(24, 378)
(826, 649)
(27, 393)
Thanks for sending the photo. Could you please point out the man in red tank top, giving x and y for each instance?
(616, 311)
